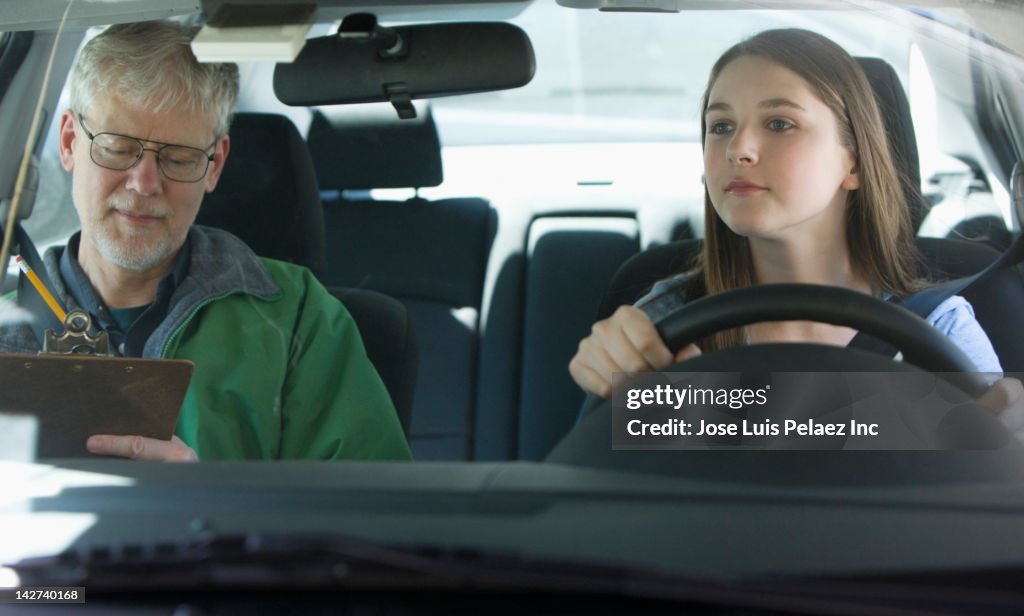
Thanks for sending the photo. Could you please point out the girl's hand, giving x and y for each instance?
(624, 342)
(1006, 399)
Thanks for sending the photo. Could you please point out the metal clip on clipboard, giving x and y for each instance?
(76, 339)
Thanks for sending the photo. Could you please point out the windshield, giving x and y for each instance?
(450, 268)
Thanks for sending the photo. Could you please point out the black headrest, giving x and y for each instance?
(268, 195)
(450, 271)
(372, 148)
(899, 126)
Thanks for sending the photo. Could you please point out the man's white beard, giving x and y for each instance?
(128, 253)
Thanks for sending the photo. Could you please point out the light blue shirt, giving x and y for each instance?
(955, 318)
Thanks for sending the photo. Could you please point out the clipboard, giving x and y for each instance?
(76, 396)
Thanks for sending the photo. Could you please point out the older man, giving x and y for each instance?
(281, 371)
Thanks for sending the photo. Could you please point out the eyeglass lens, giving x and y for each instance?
(180, 163)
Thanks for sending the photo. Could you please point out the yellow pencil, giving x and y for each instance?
(38, 284)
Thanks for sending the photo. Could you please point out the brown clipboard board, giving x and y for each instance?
(76, 396)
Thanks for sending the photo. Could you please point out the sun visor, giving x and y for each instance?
(372, 64)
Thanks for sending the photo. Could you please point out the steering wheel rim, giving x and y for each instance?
(922, 345)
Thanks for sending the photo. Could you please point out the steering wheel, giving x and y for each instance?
(923, 346)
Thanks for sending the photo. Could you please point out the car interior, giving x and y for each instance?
(459, 402)
(535, 166)
(471, 311)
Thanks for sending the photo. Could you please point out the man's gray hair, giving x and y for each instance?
(151, 65)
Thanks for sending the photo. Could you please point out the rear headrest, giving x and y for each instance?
(268, 195)
(364, 148)
(899, 126)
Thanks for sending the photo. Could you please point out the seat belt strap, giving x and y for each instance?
(925, 302)
(28, 298)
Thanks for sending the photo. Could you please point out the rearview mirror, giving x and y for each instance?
(427, 61)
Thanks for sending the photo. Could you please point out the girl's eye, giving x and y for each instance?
(719, 128)
(779, 125)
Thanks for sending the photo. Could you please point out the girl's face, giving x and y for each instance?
(773, 163)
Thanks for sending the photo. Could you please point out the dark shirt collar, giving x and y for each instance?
(82, 292)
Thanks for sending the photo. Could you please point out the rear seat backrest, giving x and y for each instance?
(570, 260)
(430, 255)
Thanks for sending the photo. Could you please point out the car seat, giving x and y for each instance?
(268, 197)
(430, 255)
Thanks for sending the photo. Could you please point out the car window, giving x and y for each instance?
(561, 201)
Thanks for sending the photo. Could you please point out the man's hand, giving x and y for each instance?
(141, 448)
(1006, 398)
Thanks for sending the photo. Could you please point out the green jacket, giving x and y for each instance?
(281, 372)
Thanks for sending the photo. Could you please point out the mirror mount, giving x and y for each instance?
(363, 27)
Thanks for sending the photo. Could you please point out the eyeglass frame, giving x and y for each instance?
(142, 151)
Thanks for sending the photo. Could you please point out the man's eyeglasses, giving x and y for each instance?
(179, 163)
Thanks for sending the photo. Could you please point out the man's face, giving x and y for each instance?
(136, 219)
